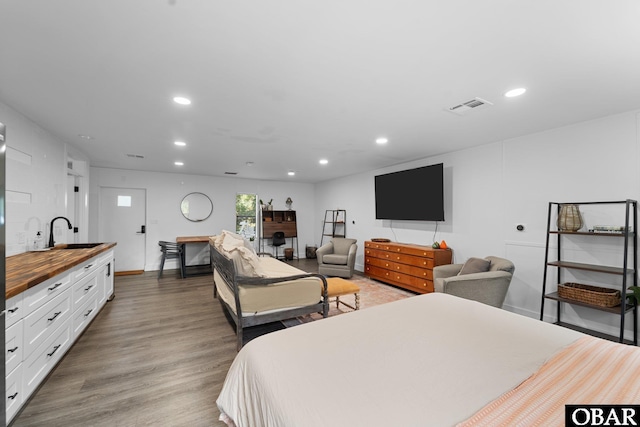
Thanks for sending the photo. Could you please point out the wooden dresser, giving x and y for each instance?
(404, 265)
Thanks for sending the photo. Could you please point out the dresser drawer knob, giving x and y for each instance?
(51, 319)
(54, 350)
(11, 350)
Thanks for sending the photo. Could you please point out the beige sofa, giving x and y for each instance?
(261, 289)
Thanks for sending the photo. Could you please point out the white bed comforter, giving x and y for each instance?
(429, 360)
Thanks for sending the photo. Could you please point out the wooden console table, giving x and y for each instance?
(404, 265)
(184, 241)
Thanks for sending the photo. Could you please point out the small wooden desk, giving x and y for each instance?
(184, 241)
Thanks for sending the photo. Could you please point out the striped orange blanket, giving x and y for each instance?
(589, 371)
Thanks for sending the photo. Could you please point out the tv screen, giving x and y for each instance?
(414, 194)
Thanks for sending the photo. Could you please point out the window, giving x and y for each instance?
(246, 215)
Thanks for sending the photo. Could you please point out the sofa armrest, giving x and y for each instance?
(446, 270)
(489, 287)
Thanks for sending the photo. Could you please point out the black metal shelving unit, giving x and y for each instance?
(628, 273)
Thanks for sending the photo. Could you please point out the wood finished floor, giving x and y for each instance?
(156, 355)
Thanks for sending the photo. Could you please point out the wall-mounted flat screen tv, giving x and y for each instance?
(413, 194)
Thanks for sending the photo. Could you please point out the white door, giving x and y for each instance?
(122, 220)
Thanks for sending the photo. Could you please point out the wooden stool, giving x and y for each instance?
(337, 287)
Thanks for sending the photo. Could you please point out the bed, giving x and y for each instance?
(433, 359)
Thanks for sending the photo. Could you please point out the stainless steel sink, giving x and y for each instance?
(77, 246)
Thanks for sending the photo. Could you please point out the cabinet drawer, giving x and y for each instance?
(15, 310)
(13, 346)
(424, 273)
(83, 290)
(416, 284)
(38, 295)
(13, 392)
(83, 315)
(41, 323)
(85, 269)
(39, 364)
(105, 258)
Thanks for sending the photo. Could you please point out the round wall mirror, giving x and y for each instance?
(196, 207)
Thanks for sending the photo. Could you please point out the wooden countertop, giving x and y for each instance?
(192, 239)
(32, 268)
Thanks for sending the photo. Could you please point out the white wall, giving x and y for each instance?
(36, 182)
(166, 190)
(491, 188)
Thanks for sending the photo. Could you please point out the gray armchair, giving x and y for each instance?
(337, 258)
(489, 287)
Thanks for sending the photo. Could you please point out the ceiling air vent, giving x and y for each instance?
(135, 156)
(231, 173)
(465, 107)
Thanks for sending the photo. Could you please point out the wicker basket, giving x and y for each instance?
(595, 295)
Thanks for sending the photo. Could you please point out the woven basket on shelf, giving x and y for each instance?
(596, 295)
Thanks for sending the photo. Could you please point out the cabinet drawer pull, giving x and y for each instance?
(54, 350)
(55, 286)
(88, 287)
(11, 350)
(86, 267)
(13, 396)
(51, 319)
(88, 312)
(13, 310)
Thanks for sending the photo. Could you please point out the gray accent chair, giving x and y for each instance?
(488, 287)
(337, 258)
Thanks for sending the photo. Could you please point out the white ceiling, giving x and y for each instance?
(283, 83)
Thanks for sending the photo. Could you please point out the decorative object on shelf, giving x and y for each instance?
(569, 218)
(596, 295)
(634, 297)
(288, 202)
(616, 229)
(267, 206)
(443, 245)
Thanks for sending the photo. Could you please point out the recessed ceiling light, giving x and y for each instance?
(178, 163)
(382, 140)
(249, 164)
(515, 92)
(85, 137)
(181, 100)
(291, 173)
(180, 143)
(323, 161)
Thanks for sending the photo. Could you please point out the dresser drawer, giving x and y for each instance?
(83, 290)
(44, 292)
(13, 346)
(83, 315)
(41, 323)
(13, 392)
(39, 364)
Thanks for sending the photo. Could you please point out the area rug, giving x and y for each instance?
(372, 293)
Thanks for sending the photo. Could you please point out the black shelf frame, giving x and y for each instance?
(626, 271)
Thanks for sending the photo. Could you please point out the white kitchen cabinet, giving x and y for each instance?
(44, 321)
